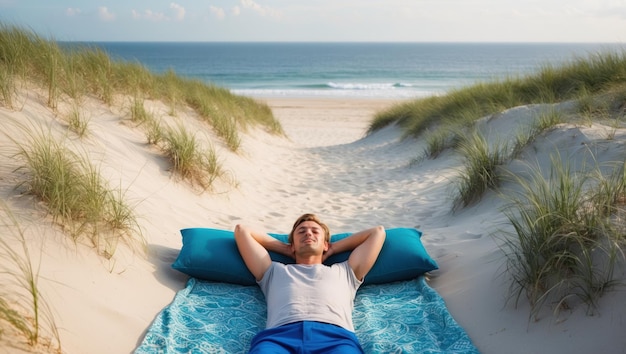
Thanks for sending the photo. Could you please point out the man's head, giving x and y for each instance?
(313, 218)
(309, 238)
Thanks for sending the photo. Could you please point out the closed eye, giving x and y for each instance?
(314, 230)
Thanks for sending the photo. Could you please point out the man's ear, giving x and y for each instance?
(326, 245)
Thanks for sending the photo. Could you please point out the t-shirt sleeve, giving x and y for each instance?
(354, 282)
(267, 277)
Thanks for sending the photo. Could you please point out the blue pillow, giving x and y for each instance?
(212, 254)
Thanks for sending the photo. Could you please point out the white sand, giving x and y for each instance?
(325, 166)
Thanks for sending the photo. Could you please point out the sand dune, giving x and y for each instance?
(324, 165)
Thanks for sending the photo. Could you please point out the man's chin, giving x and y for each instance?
(310, 250)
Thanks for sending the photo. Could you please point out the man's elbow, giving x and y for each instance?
(380, 231)
(378, 235)
(240, 230)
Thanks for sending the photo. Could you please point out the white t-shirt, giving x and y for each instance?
(302, 292)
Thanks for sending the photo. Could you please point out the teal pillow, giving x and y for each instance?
(212, 254)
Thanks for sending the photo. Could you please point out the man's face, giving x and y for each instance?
(309, 239)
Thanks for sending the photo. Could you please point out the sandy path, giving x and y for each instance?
(351, 182)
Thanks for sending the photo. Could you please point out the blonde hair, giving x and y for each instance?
(309, 217)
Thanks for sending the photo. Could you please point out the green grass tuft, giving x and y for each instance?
(24, 308)
(564, 247)
(76, 195)
(481, 172)
(77, 123)
(188, 158)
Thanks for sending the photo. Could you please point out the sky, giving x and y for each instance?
(321, 20)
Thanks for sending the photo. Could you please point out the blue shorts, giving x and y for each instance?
(305, 337)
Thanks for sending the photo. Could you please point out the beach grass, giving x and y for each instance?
(439, 140)
(482, 162)
(77, 122)
(566, 241)
(523, 138)
(24, 311)
(610, 196)
(77, 71)
(171, 88)
(576, 80)
(7, 87)
(73, 73)
(189, 160)
(138, 112)
(75, 194)
(154, 131)
(568, 232)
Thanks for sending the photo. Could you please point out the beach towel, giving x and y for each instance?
(214, 317)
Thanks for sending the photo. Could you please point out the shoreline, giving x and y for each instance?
(308, 101)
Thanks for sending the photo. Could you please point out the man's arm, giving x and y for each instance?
(365, 246)
(254, 246)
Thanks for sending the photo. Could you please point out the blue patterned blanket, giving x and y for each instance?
(400, 317)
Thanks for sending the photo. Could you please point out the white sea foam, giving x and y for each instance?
(355, 93)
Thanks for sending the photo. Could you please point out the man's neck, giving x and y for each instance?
(314, 259)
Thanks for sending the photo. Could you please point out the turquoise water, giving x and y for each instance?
(369, 70)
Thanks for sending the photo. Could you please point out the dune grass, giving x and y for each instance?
(24, 310)
(568, 226)
(171, 87)
(189, 159)
(481, 164)
(67, 183)
(483, 161)
(610, 196)
(72, 71)
(7, 87)
(595, 74)
(154, 132)
(438, 140)
(596, 84)
(138, 112)
(77, 122)
(75, 194)
(566, 241)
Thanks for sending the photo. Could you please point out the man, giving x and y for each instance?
(309, 304)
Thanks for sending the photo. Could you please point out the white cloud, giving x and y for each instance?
(258, 8)
(70, 11)
(155, 16)
(236, 11)
(179, 11)
(217, 12)
(105, 15)
(149, 15)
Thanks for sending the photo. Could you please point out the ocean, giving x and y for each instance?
(348, 70)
